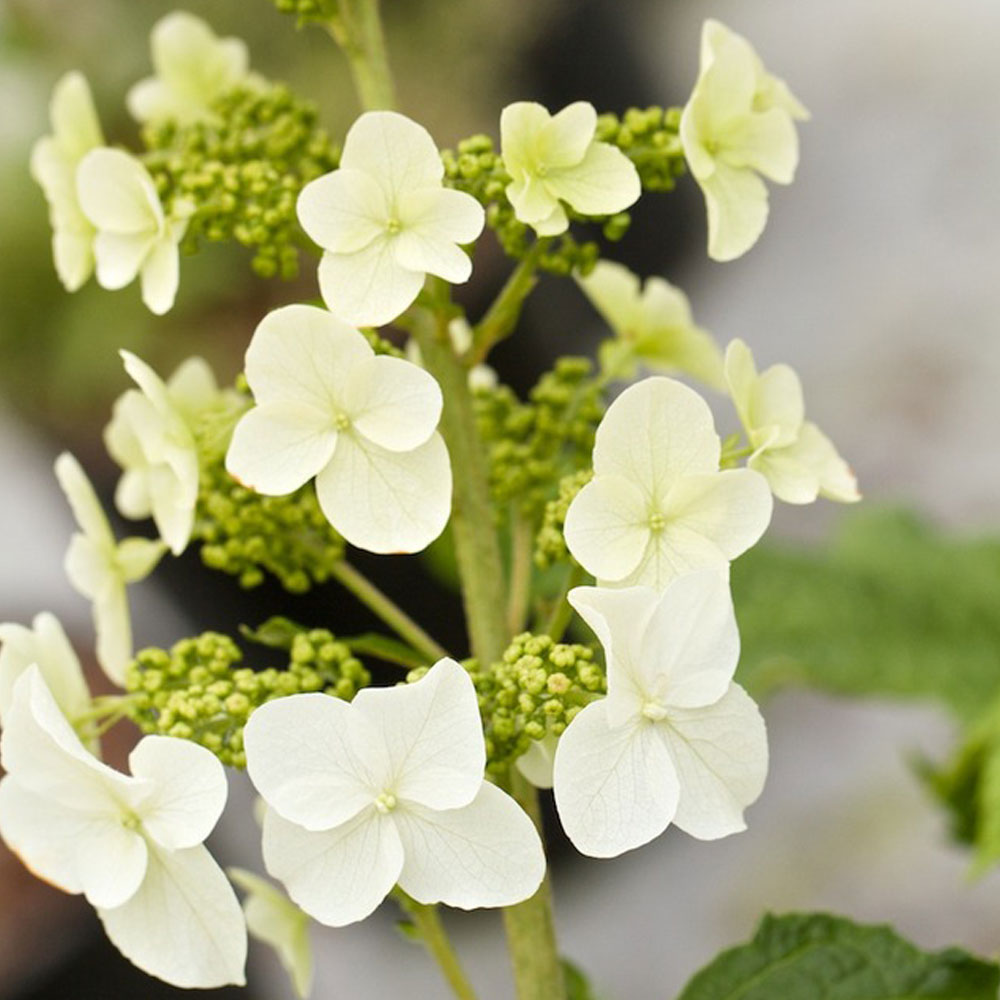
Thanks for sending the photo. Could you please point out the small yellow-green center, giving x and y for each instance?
(393, 226)
(385, 802)
(657, 522)
(341, 421)
(654, 711)
(541, 170)
(130, 821)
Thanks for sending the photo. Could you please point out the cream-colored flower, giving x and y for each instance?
(798, 460)
(555, 158)
(54, 159)
(653, 326)
(738, 123)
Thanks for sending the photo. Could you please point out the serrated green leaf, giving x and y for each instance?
(822, 957)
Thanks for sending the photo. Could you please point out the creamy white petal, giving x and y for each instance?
(393, 403)
(789, 472)
(655, 431)
(338, 876)
(615, 787)
(369, 287)
(343, 211)
(565, 138)
(776, 406)
(120, 256)
(302, 759)
(737, 211)
(161, 275)
(82, 499)
(741, 377)
(431, 734)
(424, 250)
(720, 752)
(386, 501)
(536, 205)
(537, 761)
(487, 853)
(87, 565)
(192, 386)
(184, 925)
(280, 445)
(113, 625)
(74, 117)
(603, 183)
(520, 124)
(393, 149)
(836, 480)
(303, 354)
(441, 214)
(766, 142)
(187, 790)
(117, 194)
(111, 860)
(607, 527)
(614, 291)
(173, 503)
(136, 558)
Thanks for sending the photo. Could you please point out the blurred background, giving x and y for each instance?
(876, 278)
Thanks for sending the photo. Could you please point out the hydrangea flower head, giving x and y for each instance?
(653, 324)
(193, 67)
(555, 158)
(798, 460)
(134, 234)
(54, 159)
(739, 123)
(388, 789)
(658, 506)
(133, 845)
(364, 426)
(675, 740)
(99, 567)
(385, 221)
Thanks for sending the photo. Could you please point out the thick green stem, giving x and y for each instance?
(562, 612)
(428, 923)
(387, 609)
(503, 314)
(357, 29)
(519, 593)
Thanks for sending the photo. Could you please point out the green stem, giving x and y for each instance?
(519, 593)
(357, 29)
(503, 314)
(431, 930)
(561, 614)
(388, 610)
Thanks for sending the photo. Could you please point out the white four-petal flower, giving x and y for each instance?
(54, 159)
(132, 845)
(363, 425)
(738, 123)
(134, 234)
(674, 741)
(99, 567)
(658, 506)
(388, 789)
(193, 67)
(555, 158)
(653, 325)
(385, 221)
(798, 460)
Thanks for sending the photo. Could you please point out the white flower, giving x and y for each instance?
(675, 741)
(536, 762)
(653, 325)
(388, 789)
(798, 460)
(555, 158)
(152, 441)
(385, 221)
(274, 919)
(54, 159)
(43, 645)
(658, 506)
(362, 424)
(131, 845)
(738, 123)
(193, 67)
(134, 236)
(100, 567)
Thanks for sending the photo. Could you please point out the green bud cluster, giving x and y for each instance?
(533, 444)
(476, 168)
(650, 138)
(196, 690)
(535, 690)
(242, 171)
(550, 544)
(307, 10)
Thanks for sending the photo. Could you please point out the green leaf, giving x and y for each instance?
(384, 648)
(821, 957)
(277, 632)
(892, 608)
(577, 984)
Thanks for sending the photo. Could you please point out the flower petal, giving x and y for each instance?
(394, 150)
(83, 500)
(184, 925)
(279, 446)
(423, 250)
(113, 625)
(736, 200)
(120, 256)
(836, 480)
(441, 214)
(520, 125)
(369, 287)
(338, 876)
(776, 406)
(720, 752)
(161, 275)
(387, 501)
(767, 142)
(566, 137)
(615, 786)
(187, 790)
(302, 759)
(486, 853)
(117, 194)
(432, 736)
(605, 181)
(614, 291)
(343, 211)
(74, 117)
(393, 403)
(607, 527)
